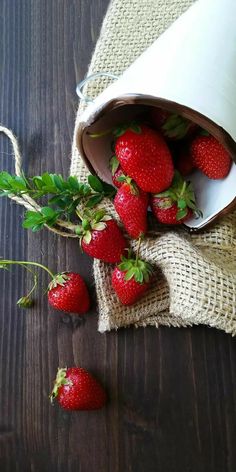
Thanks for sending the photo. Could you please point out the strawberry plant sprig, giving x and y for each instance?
(66, 291)
(64, 195)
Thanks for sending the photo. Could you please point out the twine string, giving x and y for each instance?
(25, 200)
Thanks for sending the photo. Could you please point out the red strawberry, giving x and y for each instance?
(168, 213)
(116, 171)
(77, 389)
(184, 163)
(115, 178)
(176, 127)
(102, 238)
(210, 157)
(158, 117)
(145, 157)
(131, 279)
(172, 126)
(175, 205)
(131, 205)
(68, 292)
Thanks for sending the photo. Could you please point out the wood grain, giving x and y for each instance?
(172, 392)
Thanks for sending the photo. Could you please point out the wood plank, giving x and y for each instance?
(172, 392)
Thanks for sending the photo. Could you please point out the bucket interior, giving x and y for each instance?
(213, 196)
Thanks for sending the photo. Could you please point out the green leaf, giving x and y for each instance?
(182, 204)
(135, 127)
(99, 226)
(93, 201)
(95, 183)
(73, 183)
(48, 212)
(114, 163)
(58, 182)
(130, 273)
(108, 190)
(87, 237)
(181, 214)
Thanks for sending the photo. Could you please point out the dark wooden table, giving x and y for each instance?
(172, 391)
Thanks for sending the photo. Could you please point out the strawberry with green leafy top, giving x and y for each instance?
(145, 157)
(101, 237)
(131, 204)
(131, 279)
(172, 125)
(76, 389)
(67, 291)
(177, 204)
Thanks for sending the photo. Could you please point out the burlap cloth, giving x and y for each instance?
(196, 276)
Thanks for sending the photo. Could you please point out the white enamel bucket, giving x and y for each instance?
(190, 70)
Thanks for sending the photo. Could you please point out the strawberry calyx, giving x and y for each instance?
(136, 268)
(114, 164)
(130, 182)
(118, 130)
(121, 129)
(176, 126)
(58, 279)
(181, 193)
(59, 381)
(25, 302)
(92, 221)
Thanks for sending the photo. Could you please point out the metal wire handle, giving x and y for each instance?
(80, 86)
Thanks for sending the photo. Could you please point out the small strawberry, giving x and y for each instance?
(210, 157)
(183, 162)
(173, 126)
(131, 204)
(116, 171)
(101, 237)
(77, 389)
(68, 292)
(175, 205)
(131, 279)
(176, 127)
(145, 157)
(158, 117)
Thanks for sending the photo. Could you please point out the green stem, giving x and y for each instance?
(100, 135)
(183, 189)
(23, 263)
(35, 280)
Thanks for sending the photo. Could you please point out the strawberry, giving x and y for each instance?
(158, 117)
(68, 292)
(131, 279)
(77, 389)
(172, 126)
(183, 162)
(175, 205)
(167, 213)
(116, 171)
(176, 127)
(131, 204)
(145, 157)
(101, 237)
(210, 157)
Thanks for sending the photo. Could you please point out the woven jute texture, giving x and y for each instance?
(195, 278)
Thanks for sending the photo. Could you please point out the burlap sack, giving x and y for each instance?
(195, 276)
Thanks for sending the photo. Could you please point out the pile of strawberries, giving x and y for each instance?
(149, 168)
